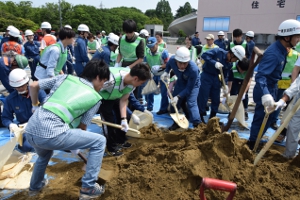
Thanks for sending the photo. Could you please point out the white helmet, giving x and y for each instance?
(46, 25)
(182, 54)
(220, 33)
(103, 32)
(83, 27)
(14, 32)
(18, 77)
(28, 32)
(289, 27)
(250, 34)
(238, 51)
(68, 26)
(145, 32)
(9, 27)
(113, 38)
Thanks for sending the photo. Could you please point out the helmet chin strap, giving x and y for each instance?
(289, 42)
(23, 92)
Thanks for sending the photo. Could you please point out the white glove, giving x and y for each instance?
(225, 89)
(75, 152)
(136, 120)
(218, 65)
(155, 68)
(34, 108)
(128, 67)
(116, 64)
(224, 101)
(244, 96)
(13, 127)
(148, 112)
(280, 104)
(174, 100)
(267, 100)
(165, 77)
(124, 125)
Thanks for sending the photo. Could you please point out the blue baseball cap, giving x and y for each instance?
(151, 41)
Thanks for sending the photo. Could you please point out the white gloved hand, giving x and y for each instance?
(116, 64)
(13, 127)
(267, 100)
(155, 68)
(244, 96)
(75, 152)
(225, 89)
(148, 112)
(136, 120)
(165, 77)
(224, 101)
(124, 125)
(34, 108)
(174, 100)
(218, 65)
(128, 67)
(280, 104)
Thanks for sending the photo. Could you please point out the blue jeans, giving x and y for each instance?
(26, 147)
(70, 140)
(164, 102)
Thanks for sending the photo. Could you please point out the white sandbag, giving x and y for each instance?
(150, 88)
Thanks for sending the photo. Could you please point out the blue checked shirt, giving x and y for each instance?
(46, 124)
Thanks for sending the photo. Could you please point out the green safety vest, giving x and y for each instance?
(243, 44)
(290, 63)
(61, 60)
(113, 57)
(156, 58)
(113, 92)
(104, 40)
(70, 106)
(297, 47)
(128, 49)
(237, 74)
(206, 48)
(162, 44)
(193, 52)
(92, 45)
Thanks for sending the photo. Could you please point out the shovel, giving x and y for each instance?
(145, 120)
(180, 119)
(224, 85)
(262, 127)
(131, 132)
(275, 135)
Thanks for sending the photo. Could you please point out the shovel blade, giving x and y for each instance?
(181, 120)
(240, 113)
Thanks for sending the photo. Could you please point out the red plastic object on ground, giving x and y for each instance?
(216, 184)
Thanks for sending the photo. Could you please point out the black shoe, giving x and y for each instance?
(274, 126)
(174, 127)
(150, 109)
(212, 114)
(246, 116)
(115, 153)
(250, 144)
(161, 112)
(196, 125)
(125, 145)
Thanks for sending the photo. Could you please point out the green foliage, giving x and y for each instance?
(184, 10)
(164, 12)
(181, 33)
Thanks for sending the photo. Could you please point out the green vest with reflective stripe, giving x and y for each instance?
(297, 47)
(236, 73)
(92, 45)
(193, 52)
(104, 40)
(243, 44)
(61, 60)
(113, 91)
(205, 48)
(113, 57)
(290, 63)
(156, 58)
(70, 105)
(128, 50)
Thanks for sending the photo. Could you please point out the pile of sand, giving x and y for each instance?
(171, 165)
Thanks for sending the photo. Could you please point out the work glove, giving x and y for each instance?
(165, 77)
(280, 104)
(174, 100)
(218, 65)
(124, 125)
(128, 67)
(224, 101)
(148, 112)
(30, 60)
(244, 96)
(116, 64)
(155, 68)
(136, 120)
(225, 90)
(267, 100)
(34, 108)
(75, 152)
(13, 127)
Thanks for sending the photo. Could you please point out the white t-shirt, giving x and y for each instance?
(298, 62)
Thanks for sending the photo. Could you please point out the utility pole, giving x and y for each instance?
(101, 5)
(60, 23)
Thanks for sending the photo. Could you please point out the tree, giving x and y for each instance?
(164, 12)
(184, 10)
(151, 13)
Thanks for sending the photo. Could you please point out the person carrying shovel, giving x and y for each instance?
(268, 74)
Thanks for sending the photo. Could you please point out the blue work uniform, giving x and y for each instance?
(195, 41)
(250, 47)
(222, 43)
(69, 63)
(5, 65)
(187, 87)
(21, 106)
(81, 55)
(268, 74)
(103, 53)
(135, 104)
(32, 53)
(210, 83)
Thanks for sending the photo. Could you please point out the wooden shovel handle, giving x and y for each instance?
(118, 126)
(171, 97)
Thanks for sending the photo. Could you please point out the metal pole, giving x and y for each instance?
(60, 23)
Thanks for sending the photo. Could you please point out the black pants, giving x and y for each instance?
(110, 112)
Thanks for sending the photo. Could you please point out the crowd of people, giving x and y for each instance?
(72, 80)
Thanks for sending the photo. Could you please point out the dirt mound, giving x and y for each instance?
(172, 165)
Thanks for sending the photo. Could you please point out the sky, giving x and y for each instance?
(143, 5)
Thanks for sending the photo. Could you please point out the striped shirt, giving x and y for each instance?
(44, 123)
